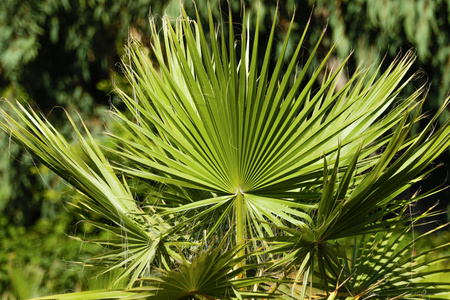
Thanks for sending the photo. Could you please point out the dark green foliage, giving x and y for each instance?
(39, 259)
(62, 52)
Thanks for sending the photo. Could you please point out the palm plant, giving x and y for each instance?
(254, 176)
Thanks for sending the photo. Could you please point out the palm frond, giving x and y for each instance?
(134, 237)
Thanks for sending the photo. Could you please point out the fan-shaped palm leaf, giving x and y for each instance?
(210, 120)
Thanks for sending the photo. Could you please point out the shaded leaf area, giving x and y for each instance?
(279, 172)
(60, 51)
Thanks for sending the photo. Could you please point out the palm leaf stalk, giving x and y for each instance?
(227, 144)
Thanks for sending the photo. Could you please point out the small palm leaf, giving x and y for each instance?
(211, 275)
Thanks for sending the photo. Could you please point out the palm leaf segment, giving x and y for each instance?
(383, 265)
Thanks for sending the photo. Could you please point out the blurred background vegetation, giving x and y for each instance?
(66, 53)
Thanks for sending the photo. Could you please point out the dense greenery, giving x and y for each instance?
(66, 53)
(232, 179)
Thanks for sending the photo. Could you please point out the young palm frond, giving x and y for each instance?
(288, 167)
(210, 275)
